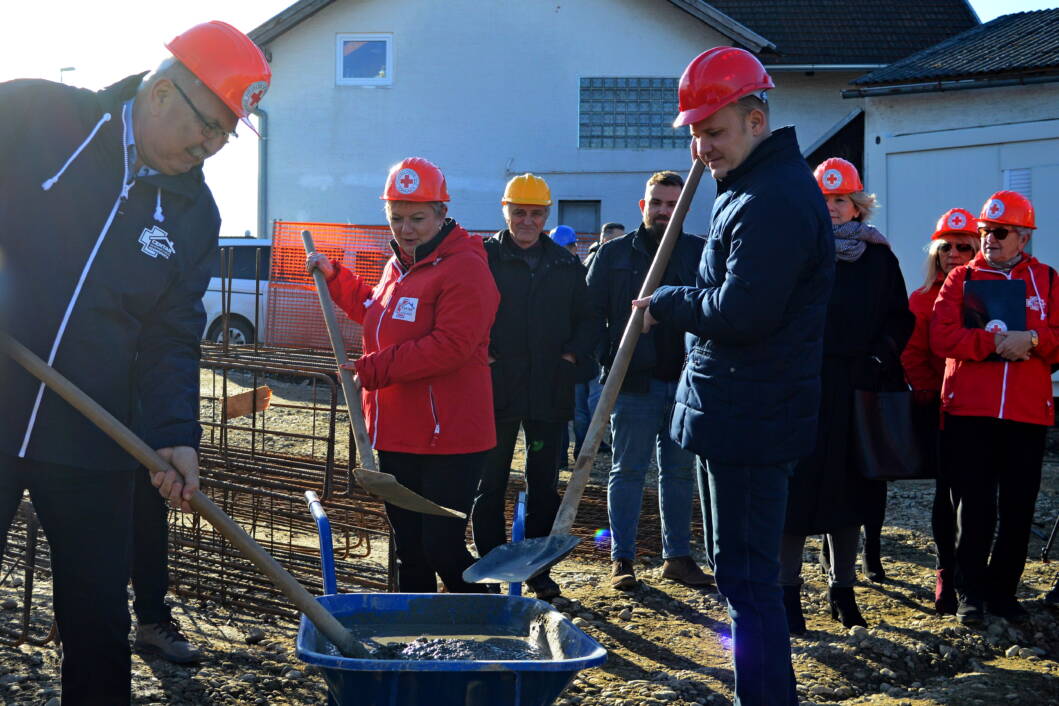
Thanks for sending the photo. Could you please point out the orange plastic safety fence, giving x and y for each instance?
(294, 317)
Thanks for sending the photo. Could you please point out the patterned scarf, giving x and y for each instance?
(852, 238)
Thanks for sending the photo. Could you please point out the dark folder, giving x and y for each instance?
(995, 305)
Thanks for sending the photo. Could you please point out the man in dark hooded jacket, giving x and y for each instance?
(750, 389)
(107, 235)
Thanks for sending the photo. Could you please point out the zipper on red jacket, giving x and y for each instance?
(378, 326)
(434, 411)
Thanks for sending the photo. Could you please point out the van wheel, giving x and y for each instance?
(240, 331)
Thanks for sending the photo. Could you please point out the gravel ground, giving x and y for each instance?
(667, 643)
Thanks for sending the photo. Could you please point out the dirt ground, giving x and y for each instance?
(666, 643)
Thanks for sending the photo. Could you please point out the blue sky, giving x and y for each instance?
(108, 39)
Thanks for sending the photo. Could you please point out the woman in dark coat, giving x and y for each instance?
(868, 324)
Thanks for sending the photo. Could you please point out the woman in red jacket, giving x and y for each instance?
(997, 403)
(427, 393)
(954, 243)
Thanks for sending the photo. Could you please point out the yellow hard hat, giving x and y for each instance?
(527, 189)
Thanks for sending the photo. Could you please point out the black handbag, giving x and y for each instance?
(888, 439)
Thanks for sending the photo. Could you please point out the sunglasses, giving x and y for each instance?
(962, 247)
(998, 233)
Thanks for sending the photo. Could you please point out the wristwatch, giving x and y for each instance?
(1034, 338)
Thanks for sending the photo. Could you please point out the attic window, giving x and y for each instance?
(364, 60)
(629, 113)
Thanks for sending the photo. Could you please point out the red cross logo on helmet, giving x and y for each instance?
(957, 221)
(833, 178)
(406, 181)
(996, 208)
(252, 95)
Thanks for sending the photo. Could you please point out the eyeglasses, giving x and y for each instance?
(998, 233)
(210, 130)
(962, 247)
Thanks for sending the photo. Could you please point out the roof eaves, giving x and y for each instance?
(724, 24)
(956, 83)
(286, 20)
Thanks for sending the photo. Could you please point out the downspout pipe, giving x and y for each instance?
(262, 174)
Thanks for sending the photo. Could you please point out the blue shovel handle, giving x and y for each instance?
(518, 533)
(327, 551)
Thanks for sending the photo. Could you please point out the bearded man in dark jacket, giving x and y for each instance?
(641, 415)
(107, 235)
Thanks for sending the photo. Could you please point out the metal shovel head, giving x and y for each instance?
(520, 561)
(385, 487)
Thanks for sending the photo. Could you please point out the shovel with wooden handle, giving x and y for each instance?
(381, 485)
(200, 503)
(521, 561)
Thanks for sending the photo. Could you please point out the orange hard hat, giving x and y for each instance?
(837, 176)
(1010, 208)
(227, 62)
(716, 78)
(415, 179)
(955, 221)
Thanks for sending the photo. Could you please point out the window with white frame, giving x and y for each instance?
(364, 60)
(629, 113)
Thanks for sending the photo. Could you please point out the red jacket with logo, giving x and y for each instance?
(923, 369)
(425, 374)
(1020, 391)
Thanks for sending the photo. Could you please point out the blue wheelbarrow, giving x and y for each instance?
(393, 682)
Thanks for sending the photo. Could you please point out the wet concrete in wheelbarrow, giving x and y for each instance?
(489, 649)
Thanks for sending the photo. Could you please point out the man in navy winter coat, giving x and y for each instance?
(107, 235)
(750, 389)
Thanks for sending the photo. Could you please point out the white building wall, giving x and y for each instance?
(486, 91)
(813, 103)
(927, 153)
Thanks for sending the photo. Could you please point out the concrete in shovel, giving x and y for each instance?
(382, 485)
(521, 561)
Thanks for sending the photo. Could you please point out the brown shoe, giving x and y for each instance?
(683, 569)
(622, 576)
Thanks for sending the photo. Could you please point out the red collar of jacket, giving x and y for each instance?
(980, 263)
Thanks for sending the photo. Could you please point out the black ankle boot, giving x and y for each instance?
(844, 606)
(792, 603)
(872, 561)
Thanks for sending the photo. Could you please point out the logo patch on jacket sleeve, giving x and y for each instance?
(155, 242)
(406, 309)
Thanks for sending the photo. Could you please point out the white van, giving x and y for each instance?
(241, 318)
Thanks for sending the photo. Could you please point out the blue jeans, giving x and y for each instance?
(640, 425)
(747, 507)
(586, 397)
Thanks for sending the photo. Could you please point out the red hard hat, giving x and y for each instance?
(955, 221)
(415, 179)
(1010, 208)
(837, 176)
(228, 62)
(716, 78)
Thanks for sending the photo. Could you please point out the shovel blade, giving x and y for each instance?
(385, 487)
(520, 561)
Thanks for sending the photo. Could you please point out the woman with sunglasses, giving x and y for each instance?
(868, 323)
(954, 243)
(996, 399)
